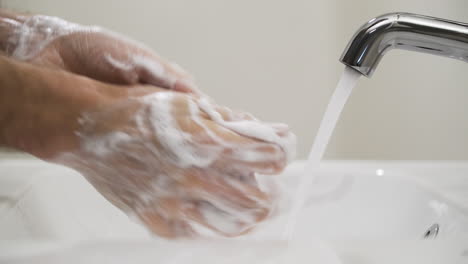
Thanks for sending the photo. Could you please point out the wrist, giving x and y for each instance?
(40, 108)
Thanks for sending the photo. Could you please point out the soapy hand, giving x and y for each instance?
(180, 164)
(176, 162)
(91, 51)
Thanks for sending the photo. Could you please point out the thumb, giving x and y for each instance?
(156, 71)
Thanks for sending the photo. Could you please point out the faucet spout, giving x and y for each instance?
(405, 31)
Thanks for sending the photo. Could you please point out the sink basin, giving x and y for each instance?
(349, 200)
(350, 203)
(40, 200)
(368, 201)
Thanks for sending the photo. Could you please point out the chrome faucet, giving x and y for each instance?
(405, 31)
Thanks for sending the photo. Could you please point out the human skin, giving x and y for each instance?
(90, 51)
(90, 99)
(69, 119)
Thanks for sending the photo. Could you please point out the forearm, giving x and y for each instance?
(9, 78)
(40, 108)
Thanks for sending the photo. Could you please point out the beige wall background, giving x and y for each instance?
(279, 60)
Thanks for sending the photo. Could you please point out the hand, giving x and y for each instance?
(179, 163)
(91, 51)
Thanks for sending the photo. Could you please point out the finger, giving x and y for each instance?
(173, 68)
(262, 157)
(144, 65)
(223, 223)
(235, 195)
(231, 115)
(202, 106)
(228, 115)
(168, 228)
(154, 70)
(166, 217)
(281, 129)
(276, 134)
(186, 86)
(151, 71)
(184, 221)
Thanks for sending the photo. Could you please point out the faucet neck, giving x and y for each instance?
(404, 31)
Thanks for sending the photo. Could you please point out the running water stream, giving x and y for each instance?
(337, 102)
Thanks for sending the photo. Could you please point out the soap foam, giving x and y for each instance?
(252, 129)
(155, 159)
(38, 31)
(175, 141)
(30, 38)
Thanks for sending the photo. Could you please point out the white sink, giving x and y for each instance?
(359, 200)
(350, 204)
